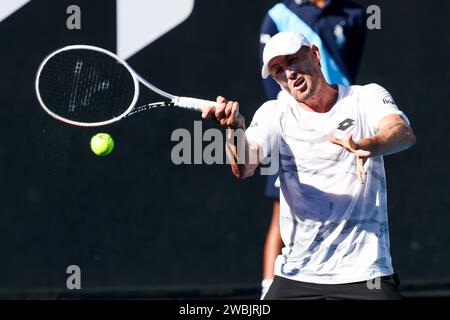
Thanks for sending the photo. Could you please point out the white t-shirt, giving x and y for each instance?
(334, 228)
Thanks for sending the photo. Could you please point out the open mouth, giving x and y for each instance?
(299, 83)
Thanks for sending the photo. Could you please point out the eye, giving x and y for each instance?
(292, 60)
(276, 70)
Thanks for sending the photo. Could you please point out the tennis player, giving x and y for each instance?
(338, 29)
(331, 141)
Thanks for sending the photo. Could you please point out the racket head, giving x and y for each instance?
(86, 86)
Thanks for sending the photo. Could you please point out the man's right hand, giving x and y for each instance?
(226, 113)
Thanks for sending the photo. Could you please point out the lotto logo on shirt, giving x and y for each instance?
(347, 123)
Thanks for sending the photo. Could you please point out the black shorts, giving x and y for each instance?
(382, 288)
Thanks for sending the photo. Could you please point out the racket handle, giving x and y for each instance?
(193, 103)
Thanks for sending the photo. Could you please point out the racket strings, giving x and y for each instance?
(86, 86)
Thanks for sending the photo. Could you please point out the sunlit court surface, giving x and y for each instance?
(115, 171)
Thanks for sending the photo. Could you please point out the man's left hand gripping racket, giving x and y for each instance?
(90, 86)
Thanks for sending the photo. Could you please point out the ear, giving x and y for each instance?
(315, 53)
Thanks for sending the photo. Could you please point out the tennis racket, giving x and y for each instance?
(89, 86)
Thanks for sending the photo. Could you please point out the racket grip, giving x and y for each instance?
(193, 103)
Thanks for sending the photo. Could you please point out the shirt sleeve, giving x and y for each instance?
(263, 128)
(378, 103)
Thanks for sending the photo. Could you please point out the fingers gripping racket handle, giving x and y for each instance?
(194, 103)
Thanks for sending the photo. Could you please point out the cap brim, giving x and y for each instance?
(265, 71)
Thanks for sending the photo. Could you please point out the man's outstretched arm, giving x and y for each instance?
(394, 135)
(244, 156)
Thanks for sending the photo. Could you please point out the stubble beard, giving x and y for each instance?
(309, 94)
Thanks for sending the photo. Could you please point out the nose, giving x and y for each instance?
(291, 74)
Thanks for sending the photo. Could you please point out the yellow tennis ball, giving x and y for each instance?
(102, 144)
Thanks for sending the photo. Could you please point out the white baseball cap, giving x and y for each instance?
(281, 44)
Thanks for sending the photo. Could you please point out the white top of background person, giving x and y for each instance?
(333, 202)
